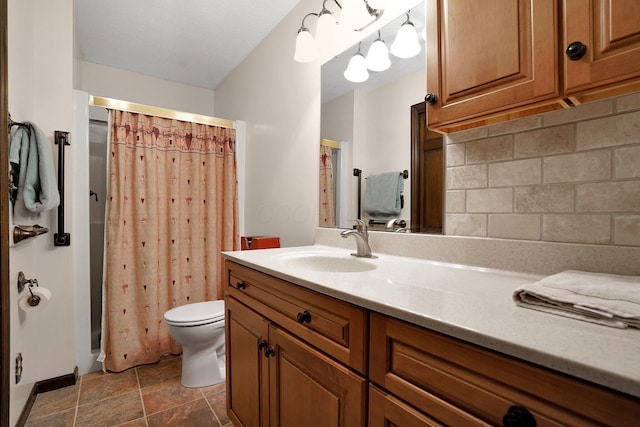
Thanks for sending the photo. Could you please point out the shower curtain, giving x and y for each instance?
(327, 192)
(171, 209)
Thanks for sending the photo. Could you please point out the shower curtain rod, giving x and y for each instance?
(329, 143)
(116, 104)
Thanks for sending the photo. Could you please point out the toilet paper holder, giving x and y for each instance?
(23, 282)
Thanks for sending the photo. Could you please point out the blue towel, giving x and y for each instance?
(37, 185)
(382, 198)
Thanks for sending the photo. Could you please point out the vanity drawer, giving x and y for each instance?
(387, 410)
(431, 372)
(333, 326)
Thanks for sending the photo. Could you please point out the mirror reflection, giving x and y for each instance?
(366, 130)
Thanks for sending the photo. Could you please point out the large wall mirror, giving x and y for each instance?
(367, 127)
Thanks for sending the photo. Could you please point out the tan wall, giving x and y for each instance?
(566, 176)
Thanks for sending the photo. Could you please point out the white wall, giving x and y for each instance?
(110, 82)
(40, 65)
(280, 101)
(337, 118)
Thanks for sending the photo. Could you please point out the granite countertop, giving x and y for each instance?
(470, 303)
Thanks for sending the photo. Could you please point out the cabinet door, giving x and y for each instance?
(308, 388)
(610, 30)
(247, 376)
(484, 57)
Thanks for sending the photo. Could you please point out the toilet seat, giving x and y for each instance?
(196, 314)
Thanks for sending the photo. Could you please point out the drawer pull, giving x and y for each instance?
(304, 317)
(241, 285)
(518, 416)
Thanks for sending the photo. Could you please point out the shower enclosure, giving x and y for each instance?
(97, 191)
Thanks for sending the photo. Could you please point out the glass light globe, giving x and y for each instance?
(306, 49)
(378, 4)
(326, 32)
(406, 44)
(356, 70)
(354, 15)
(378, 56)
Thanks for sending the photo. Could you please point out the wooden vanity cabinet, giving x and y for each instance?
(497, 60)
(456, 383)
(290, 370)
(297, 357)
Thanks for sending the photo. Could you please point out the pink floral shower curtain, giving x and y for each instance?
(327, 192)
(172, 207)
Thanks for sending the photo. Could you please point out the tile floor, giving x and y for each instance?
(148, 395)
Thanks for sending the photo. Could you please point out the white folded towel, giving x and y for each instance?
(606, 299)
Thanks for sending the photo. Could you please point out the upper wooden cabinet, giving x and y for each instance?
(610, 31)
(497, 60)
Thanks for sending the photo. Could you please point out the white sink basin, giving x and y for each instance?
(326, 262)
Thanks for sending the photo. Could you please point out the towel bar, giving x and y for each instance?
(61, 238)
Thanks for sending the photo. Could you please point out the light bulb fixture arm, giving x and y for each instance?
(302, 26)
(376, 14)
(408, 21)
(335, 1)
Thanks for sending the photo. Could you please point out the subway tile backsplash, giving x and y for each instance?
(568, 176)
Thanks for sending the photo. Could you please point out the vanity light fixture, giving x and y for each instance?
(378, 56)
(356, 15)
(356, 71)
(406, 44)
(378, 4)
(326, 30)
(306, 47)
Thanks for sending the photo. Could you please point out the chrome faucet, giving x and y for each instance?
(395, 222)
(361, 234)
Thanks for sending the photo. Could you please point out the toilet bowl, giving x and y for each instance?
(199, 329)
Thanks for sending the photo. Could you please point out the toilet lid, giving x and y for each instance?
(196, 313)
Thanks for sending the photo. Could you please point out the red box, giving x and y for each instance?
(259, 242)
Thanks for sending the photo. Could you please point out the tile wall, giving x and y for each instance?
(566, 176)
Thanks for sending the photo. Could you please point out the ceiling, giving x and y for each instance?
(198, 45)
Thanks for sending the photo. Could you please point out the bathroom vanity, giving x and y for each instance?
(315, 334)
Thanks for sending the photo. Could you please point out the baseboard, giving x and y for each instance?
(43, 387)
(58, 382)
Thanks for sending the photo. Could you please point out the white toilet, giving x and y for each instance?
(199, 329)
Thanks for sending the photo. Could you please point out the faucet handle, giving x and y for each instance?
(361, 226)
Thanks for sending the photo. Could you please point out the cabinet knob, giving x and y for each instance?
(575, 51)
(304, 317)
(262, 344)
(241, 285)
(431, 98)
(518, 416)
(269, 351)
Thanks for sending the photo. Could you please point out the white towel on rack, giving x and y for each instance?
(37, 185)
(607, 299)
